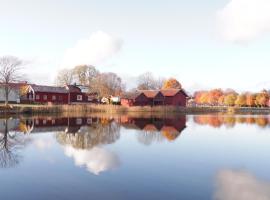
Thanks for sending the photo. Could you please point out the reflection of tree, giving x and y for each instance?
(10, 143)
(230, 120)
(149, 137)
(89, 137)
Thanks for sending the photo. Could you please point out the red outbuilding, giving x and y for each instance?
(168, 97)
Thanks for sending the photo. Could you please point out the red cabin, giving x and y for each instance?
(169, 97)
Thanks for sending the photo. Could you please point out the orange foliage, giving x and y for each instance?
(171, 83)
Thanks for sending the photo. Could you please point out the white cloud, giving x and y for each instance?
(43, 143)
(96, 160)
(96, 49)
(244, 20)
(240, 185)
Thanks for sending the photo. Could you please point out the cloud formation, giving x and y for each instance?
(96, 160)
(241, 185)
(96, 49)
(241, 21)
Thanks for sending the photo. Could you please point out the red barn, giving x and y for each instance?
(168, 97)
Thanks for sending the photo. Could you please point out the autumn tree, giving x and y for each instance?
(171, 83)
(230, 99)
(10, 72)
(241, 100)
(214, 95)
(262, 99)
(107, 84)
(250, 100)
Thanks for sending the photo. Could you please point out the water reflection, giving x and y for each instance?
(230, 121)
(11, 141)
(240, 185)
(156, 129)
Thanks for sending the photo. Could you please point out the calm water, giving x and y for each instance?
(187, 157)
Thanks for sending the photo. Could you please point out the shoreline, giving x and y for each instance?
(116, 109)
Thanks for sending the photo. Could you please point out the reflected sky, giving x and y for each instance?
(216, 157)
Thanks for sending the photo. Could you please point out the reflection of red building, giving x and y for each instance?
(171, 128)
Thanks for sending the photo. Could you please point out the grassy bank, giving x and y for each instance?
(113, 109)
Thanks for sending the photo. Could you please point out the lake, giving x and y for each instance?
(220, 157)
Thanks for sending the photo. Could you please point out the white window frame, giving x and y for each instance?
(37, 97)
(79, 97)
(54, 97)
(45, 97)
(89, 98)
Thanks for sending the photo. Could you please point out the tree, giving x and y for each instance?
(171, 83)
(229, 99)
(262, 99)
(147, 81)
(107, 84)
(214, 95)
(65, 77)
(250, 100)
(10, 72)
(85, 74)
(10, 145)
(241, 100)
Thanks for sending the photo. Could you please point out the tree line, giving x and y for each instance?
(109, 83)
(219, 97)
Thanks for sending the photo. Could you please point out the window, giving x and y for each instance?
(44, 121)
(60, 98)
(89, 98)
(53, 97)
(78, 121)
(37, 97)
(89, 121)
(79, 97)
(53, 121)
(45, 97)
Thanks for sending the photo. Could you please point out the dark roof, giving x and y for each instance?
(73, 88)
(52, 89)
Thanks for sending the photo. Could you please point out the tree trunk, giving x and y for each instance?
(6, 94)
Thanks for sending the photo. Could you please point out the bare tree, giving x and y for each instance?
(65, 77)
(10, 143)
(10, 72)
(147, 81)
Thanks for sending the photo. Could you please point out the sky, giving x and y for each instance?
(204, 44)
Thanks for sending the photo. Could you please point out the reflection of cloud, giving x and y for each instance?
(42, 143)
(240, 185)
(96, 160)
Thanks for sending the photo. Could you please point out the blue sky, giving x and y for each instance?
(221, 43)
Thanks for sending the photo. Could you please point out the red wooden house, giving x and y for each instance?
(70, 94)
(169, 97)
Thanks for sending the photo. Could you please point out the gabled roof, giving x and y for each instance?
(149, 93)
(73, 88)
(52, 89)
(170, 92)
(164, 92)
